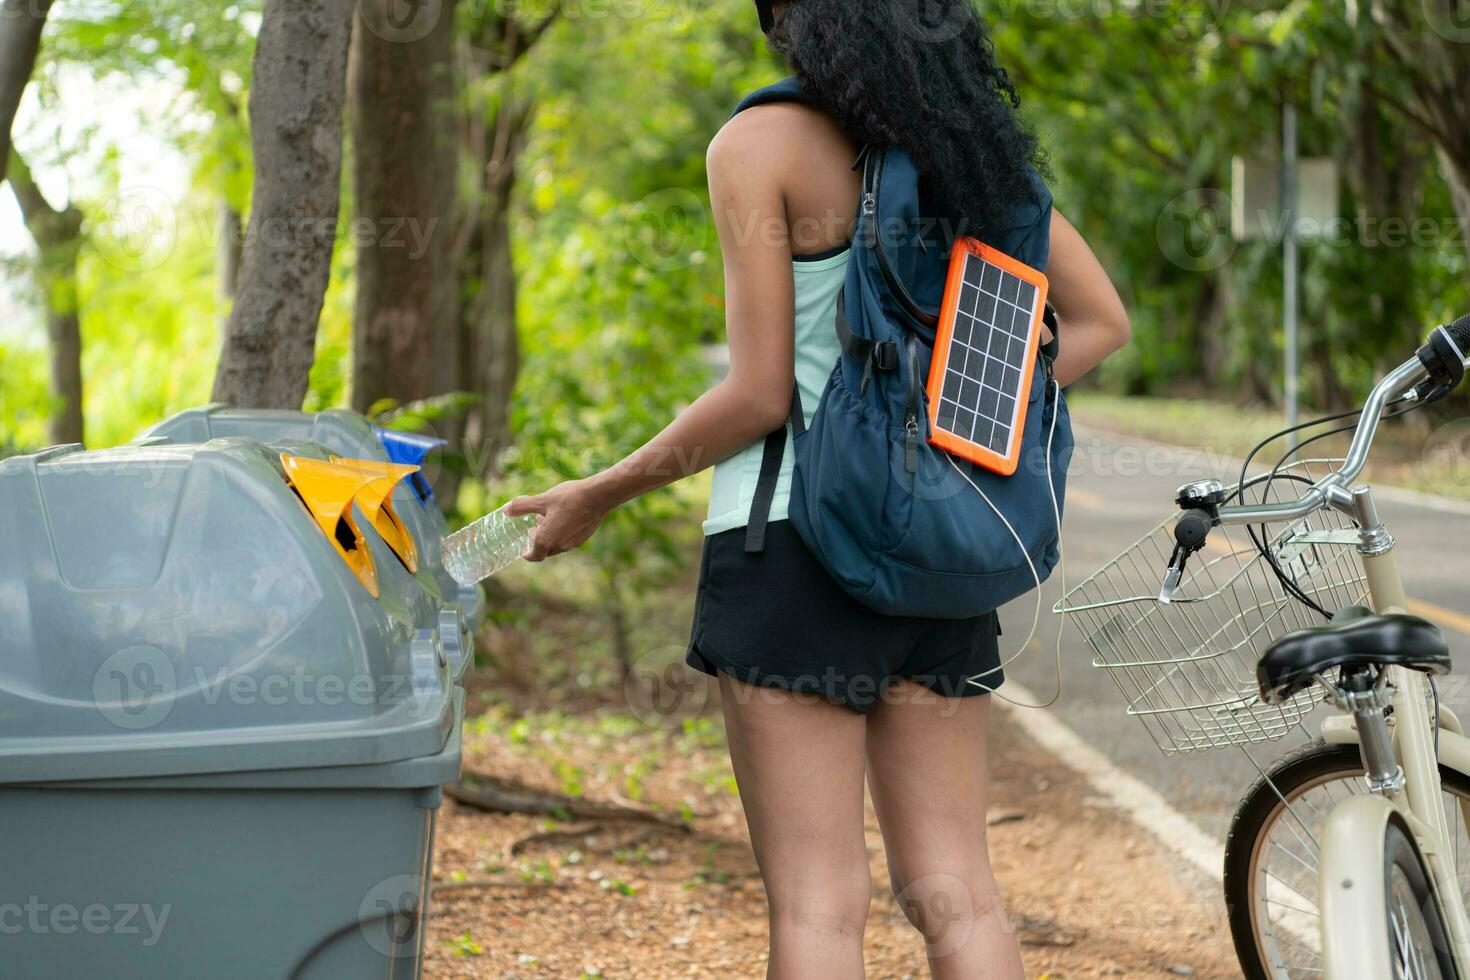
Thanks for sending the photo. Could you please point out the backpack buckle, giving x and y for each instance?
(885, 356)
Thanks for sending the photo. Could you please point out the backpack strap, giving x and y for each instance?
(786, 90)
(772, 454)
(774, 451)
(1053, 347)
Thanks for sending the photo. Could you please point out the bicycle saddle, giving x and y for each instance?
(1288, 666)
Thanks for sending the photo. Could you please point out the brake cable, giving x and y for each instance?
(1262, 543)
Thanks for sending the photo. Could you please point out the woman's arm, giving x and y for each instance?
(1090, 315)
(755, 397)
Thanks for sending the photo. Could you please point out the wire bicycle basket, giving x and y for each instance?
(1187, 668)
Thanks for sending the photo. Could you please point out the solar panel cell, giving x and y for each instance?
(984, 350)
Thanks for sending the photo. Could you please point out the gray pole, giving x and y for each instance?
(1290, 258)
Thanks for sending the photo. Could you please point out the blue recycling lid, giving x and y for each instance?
(410, 448)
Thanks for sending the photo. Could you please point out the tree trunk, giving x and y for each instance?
(64, 331)
(486, 344)
(405, 158)
(494, 343)
(58, 235)
(300, 75)
(21, 22)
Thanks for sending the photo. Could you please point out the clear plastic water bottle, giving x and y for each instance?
(479, 550)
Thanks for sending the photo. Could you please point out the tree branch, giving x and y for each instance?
(20, 38)
(34, 207)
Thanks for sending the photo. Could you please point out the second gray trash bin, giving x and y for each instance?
(219, 755)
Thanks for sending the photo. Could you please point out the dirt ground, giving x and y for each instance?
(522, 897)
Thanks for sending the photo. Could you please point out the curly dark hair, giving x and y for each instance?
(920, 75)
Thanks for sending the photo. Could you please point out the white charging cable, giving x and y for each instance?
(1035, 575)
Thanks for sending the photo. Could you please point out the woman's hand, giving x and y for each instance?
(570, 513)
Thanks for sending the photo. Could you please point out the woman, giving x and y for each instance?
(894, 706)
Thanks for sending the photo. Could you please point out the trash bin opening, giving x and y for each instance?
(327, 490)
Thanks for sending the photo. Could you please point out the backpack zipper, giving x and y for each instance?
(872, 178)
(911, 421)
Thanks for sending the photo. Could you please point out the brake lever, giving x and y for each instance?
(1201, 502)
(1189, 536)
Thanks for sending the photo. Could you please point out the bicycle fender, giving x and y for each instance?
(1351, 896)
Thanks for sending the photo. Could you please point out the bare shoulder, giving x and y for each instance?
(767, 138)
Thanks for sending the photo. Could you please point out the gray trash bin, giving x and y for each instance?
(345, 433)
(220, 754)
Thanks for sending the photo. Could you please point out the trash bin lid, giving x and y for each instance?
(174, 609)
(343, 433)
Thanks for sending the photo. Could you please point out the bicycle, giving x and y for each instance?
(1343, 860)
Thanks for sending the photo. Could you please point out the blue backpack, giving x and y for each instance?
(887, 514)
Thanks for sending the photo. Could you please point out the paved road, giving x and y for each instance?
(1119, 489)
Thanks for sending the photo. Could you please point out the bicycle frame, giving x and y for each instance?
(1351, 879)
(1350, 887)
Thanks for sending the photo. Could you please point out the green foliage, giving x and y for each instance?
(1143, 108)
(25, 396)
(149, 335)
(620, 287)
(619, 268)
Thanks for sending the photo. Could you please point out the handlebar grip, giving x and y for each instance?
(1459, 332)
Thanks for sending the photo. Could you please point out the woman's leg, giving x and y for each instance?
(799, 764)
(927, 773)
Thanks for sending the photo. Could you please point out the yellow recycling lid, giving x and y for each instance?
(328, 490)
(375, 497)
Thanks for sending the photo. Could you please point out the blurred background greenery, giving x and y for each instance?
(574, 272)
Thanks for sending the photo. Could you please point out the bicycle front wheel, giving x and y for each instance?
(1271, 856)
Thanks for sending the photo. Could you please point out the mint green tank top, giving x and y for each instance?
(733, 489)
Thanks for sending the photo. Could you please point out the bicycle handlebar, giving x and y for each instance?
(1401, 380)
(1459, 332)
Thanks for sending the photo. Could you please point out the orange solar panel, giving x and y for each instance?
(984, 352)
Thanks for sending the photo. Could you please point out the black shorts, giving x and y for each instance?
(777, 619)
